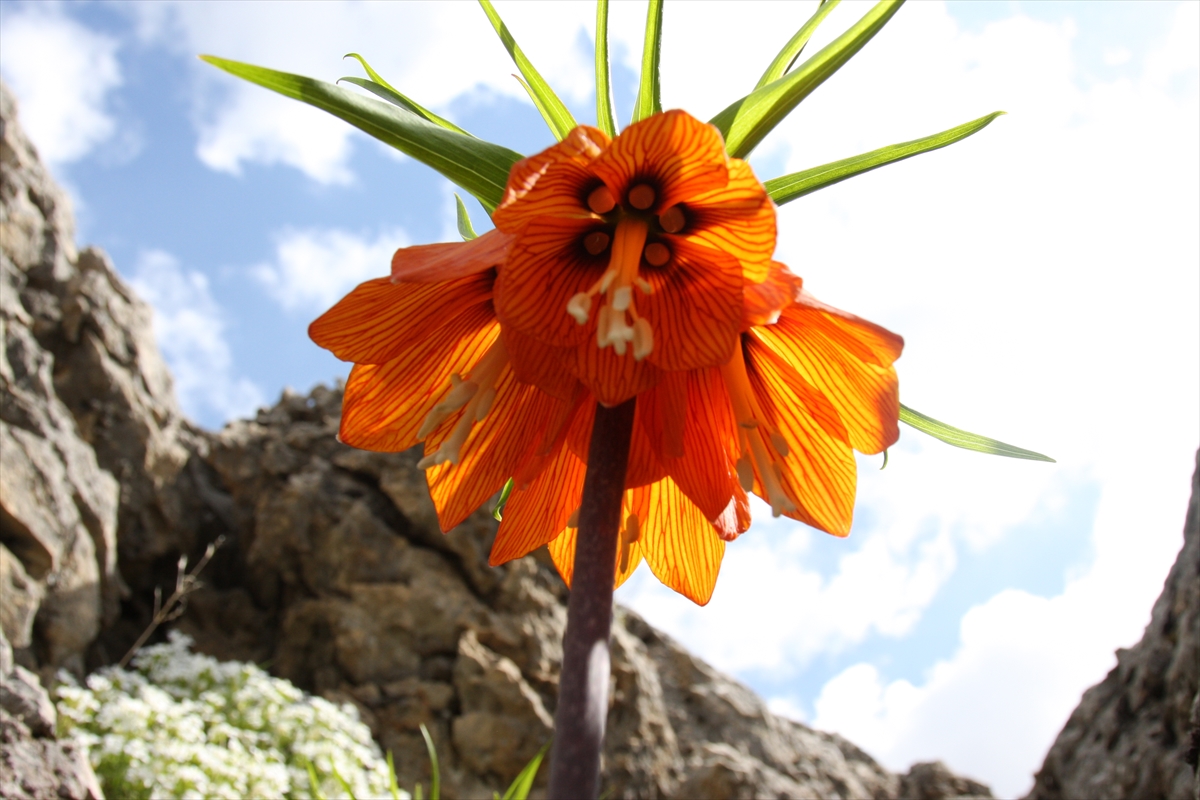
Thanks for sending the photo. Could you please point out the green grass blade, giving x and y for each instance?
(465, 229)
(312, 780)
(745, 122)
(791, 51)
(403, 101)
(606, 119)
(498, 511)
(519, 790)
(479, 167)
(393, 786)
(648, 100)
(552, 109)
(435, 780)
(345, 786)
(788, 187)
(968, 441)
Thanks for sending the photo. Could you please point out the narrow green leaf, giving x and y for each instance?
(314, 783)
(465, 229)
(435, 780)
(403, 101)
(745, 122)
(649, 101)
(605, 118)
(498, 511)
(552, 109)
(791, 51)
(885, 454)
(346, 787)
(968, 441)
(393, 786)
(786, 188)
(519, 790)
(479, 167)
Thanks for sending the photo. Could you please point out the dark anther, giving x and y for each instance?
(641, 197)
(596, 242)
(657, 254)
(672, 220)
(601, 200)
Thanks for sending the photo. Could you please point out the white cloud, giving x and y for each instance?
(62, 74)
(314, 268)
(190, 328)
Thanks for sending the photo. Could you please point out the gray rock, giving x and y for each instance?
(1136, 734)
(22, 695)
(42, 769)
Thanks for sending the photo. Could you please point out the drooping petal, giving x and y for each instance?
(562, 548)
(680, 545)
(695, 308)
(764, 302)
(493, 451)
(643, 466)
(612, 378)
(680, 156)
(380, 319)
(539, 364)
(738, 219)
(535, 515)
(850, 361)
(551, 182)
(384, 404)
(735, 519)
(545, 269)
(818, 474)
(434, 263)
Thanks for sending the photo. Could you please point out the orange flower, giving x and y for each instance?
(638, 266)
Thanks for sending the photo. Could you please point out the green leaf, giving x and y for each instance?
(605, 118)
(968, 441)
(312, 779)
(791, 51)
(435, 781)
(479, 167)
(648, 101)
(465, 229)
(552, 109)
(788, 187)
(393, 786)
(519, 790)
(403, 101)
(748, 120)
(498, 511)
(345, 786)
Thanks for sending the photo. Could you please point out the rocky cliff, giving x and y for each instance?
(333, 571)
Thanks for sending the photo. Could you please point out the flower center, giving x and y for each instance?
(762, 449)
(477, 392)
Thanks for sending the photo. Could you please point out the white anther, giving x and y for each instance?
(606, 280)
(622, 298)
(573, 520)
(579, 306)
(745, 474)
(484, 404)
(633, 530)
(433, 459)
(619, 346)
(459, 396)
(644, 285)
(603, 324)
(749, 424)
(643, 338)
(780, 444)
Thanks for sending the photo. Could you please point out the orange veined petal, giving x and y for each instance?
(679, 156)
(680, 545)
(735, 519)
(535, 515)
(539, 364)
(629, 552)
(494, 450)
(643, 466)
(764, 302)
(849, 361)
(429, 263)
(612, 378)
(704, 465)
(546, 267)
(695, 306)
(559, 188)
(380, 319)
(580, 147)
(818, 473)
(738, 219)
(384, 404)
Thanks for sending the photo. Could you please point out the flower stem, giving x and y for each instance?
(583, 685)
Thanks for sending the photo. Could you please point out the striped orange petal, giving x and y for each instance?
(738, 219)
(538, 513)
(427, 263)
(552, 183)
(680, 545)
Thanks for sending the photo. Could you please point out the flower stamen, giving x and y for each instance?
(596, 242)
(601, 200)
(642, 197)
(629, 535)
(479, 392)
(755, 456)
(672, 220)
(657, 254)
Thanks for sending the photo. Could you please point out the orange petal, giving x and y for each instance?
(849, 360)
(818, 473)
(764, 302)
(546, 267)
(562, 552)
(735, 519)
(562, 548)
(493, 451)
(555, 165)
(539, 364)
(384, 404)
(680, 156)
(680, 545)
(380, 319)
(643, 466)
(612, 378)
(695, 308)
(428, 263)
(738, 219)
(535, 515)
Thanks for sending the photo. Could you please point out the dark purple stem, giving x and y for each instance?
(583, 685)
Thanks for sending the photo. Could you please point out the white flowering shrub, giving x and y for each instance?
(185, 725)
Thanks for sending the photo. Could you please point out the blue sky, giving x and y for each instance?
(1044, 275)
